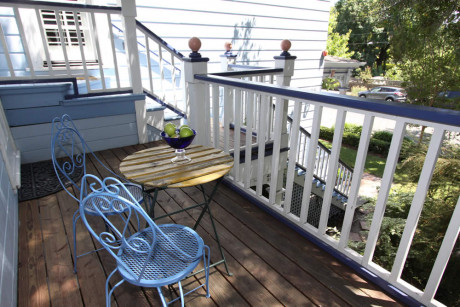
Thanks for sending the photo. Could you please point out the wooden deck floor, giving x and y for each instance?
(272, 265)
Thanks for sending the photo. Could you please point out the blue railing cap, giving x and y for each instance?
(430, 114)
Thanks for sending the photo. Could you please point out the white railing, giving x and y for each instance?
(93, 52)
(268, 76)
(252, 95)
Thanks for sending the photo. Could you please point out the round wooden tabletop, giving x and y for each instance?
(153, 168)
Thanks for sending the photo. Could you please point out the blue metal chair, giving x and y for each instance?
(146, 254)
(69, 152)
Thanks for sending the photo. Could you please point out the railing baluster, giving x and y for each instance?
(215, 115)
(149, 61)
(228, 97)
(25, 44)
(417, 203)
(293, 152)
(63, 40)
(97, 46)
(249, 127)
(261, 138)
(445, 251)
(332, 170)
(5, 50)
(44, 42)
(310, 164)
(275, 186)
(237, 134)
(356, 180)
(388, 173)
(82, 51)
(114, 53)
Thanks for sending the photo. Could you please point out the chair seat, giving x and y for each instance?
(165, 266)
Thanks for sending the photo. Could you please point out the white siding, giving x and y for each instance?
(8, 239)
(255, 27)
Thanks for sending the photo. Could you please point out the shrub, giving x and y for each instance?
(330, 84)
(326, 133)
(383, 136)
(352, 128)
(356, 89)
(351, 139)
(379, 146)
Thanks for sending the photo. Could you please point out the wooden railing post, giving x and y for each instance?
(285, 61)
(128, 10)
(197, 94)
(228, 57)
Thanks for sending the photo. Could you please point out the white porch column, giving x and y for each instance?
(128, 10)
(285, 61)
(197, 94)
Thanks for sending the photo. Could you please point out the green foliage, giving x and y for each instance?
(369, 37)
(353, 128)
(337, 44)
(425, 41)
(356, 89)
(379, 146)
(383, 135)
(446, 175)
(326, 133)
(330, 83)
(393, 72)
(364, 74)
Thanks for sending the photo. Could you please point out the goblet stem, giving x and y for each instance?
(180, 157)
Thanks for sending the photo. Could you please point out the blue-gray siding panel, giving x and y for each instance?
(100, 133)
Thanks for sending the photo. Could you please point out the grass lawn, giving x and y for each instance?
(374, 164)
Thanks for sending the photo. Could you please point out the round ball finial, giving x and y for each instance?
(285, 46)
(228, 46)
(194, 44)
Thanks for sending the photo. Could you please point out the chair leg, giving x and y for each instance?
(163, 301)
(108, 294)
(181, 294)
(206, 263)
(75, 217)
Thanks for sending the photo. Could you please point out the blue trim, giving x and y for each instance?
(63, 5)
(195, 58)
(360, 270)
(284, 56)
(430, 114)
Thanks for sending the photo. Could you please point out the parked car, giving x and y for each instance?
(387, 93)
(448, 100)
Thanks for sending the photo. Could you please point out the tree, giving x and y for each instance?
(425, 39)
(337, 44)
(368, 37)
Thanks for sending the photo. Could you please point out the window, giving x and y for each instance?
(68, 26)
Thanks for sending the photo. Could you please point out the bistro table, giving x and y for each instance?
(152, 168)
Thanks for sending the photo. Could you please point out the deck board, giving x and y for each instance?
(272, 265)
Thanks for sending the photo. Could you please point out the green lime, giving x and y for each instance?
(185, 132)
(170, 129)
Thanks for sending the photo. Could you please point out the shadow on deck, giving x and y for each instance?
(272, 265)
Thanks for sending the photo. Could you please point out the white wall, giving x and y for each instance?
(256, 29)
(8, 239)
